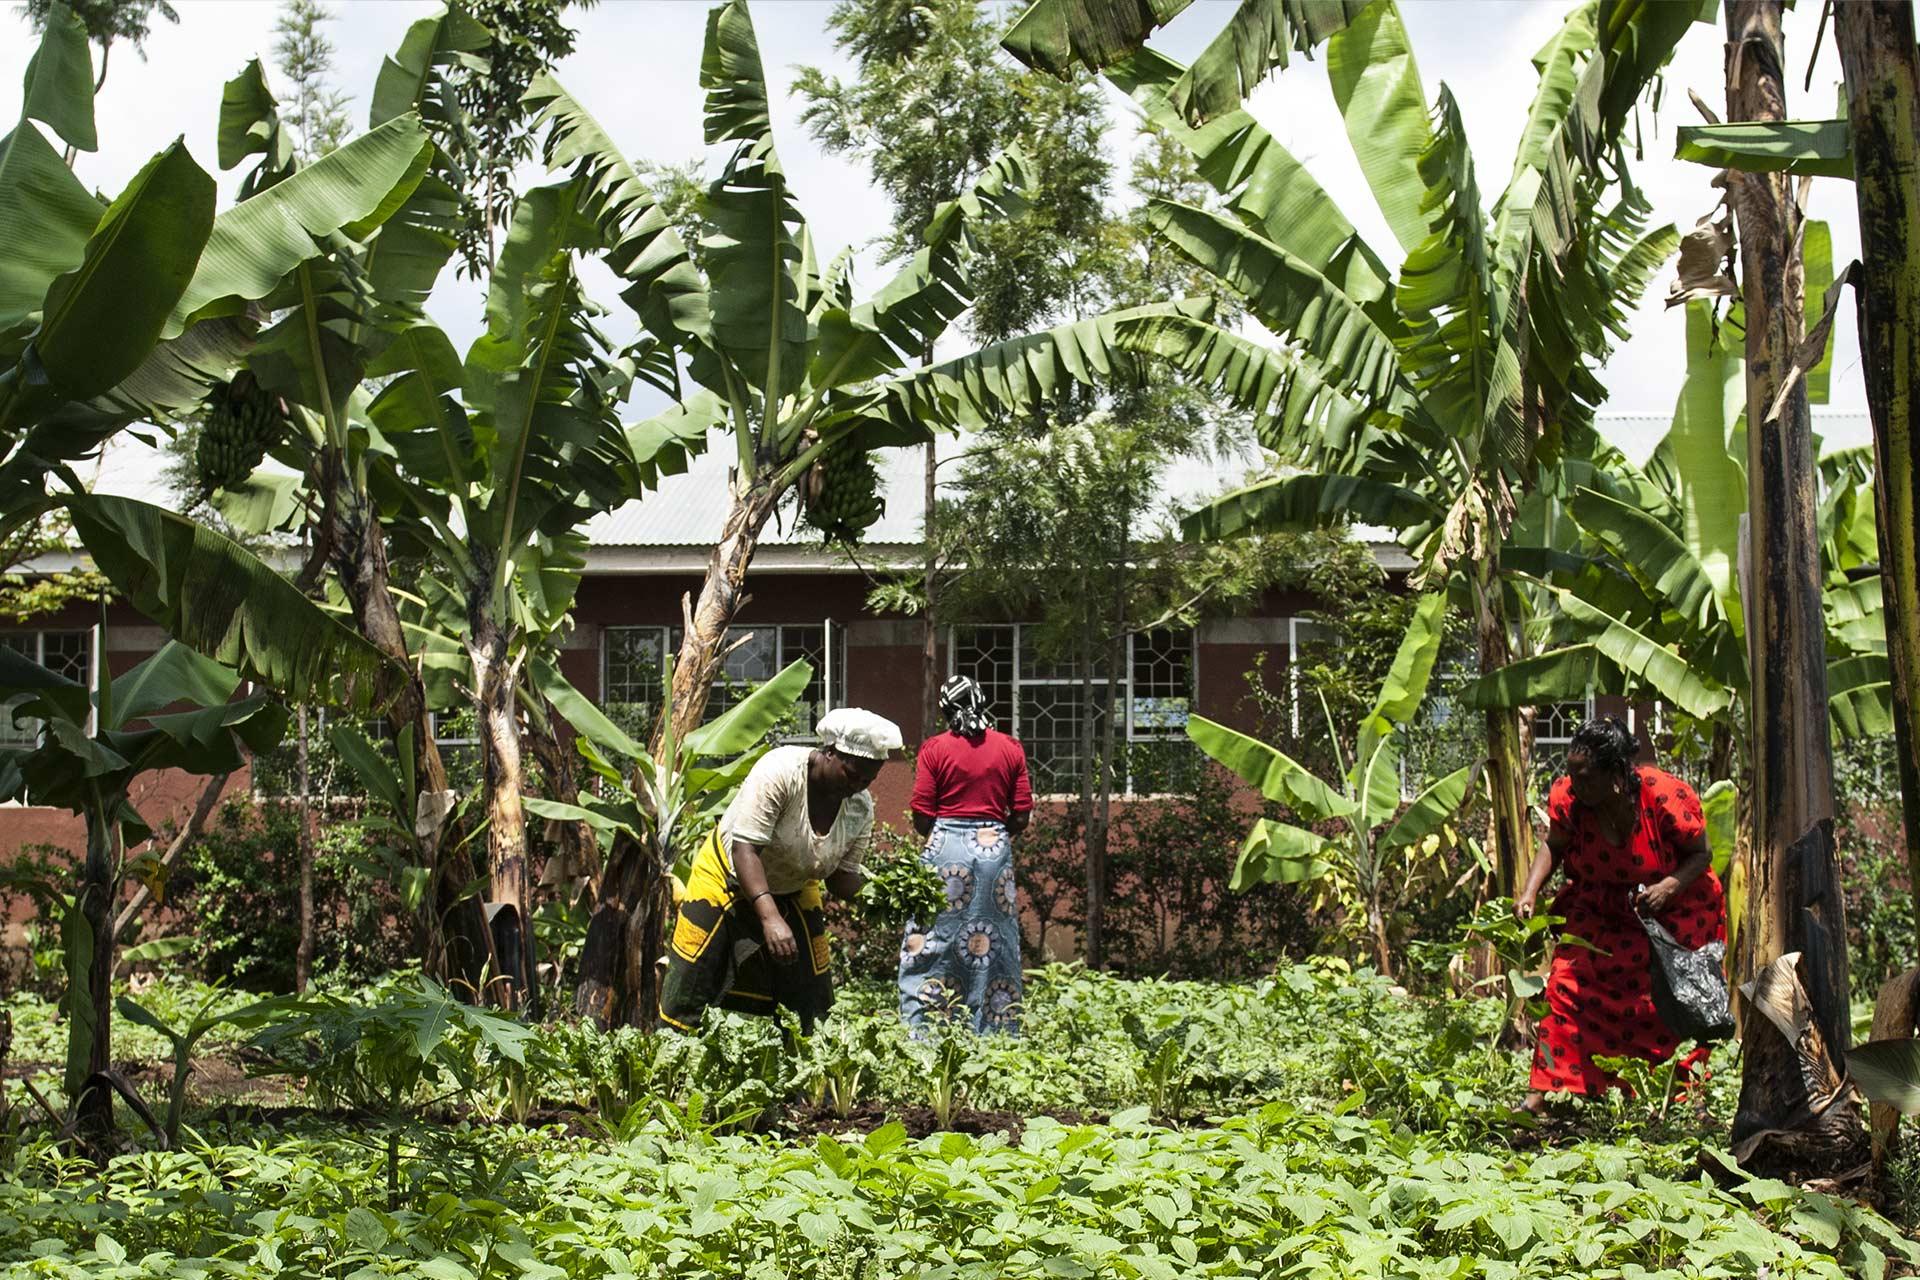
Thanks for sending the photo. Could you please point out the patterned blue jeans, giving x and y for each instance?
(970, 955)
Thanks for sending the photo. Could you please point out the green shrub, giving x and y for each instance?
(240, 887)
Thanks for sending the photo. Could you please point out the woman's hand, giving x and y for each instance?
(1523, 907)
(780, 943)
(1656, 897)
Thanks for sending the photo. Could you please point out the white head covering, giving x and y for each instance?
(854, 732)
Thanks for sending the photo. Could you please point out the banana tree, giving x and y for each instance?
(1435, 400)
(778, 351)
(1377, 850)
(659, 807)
(296, 391)
(117, 313)
(1646, 600)
(175, 710)
(497, 463)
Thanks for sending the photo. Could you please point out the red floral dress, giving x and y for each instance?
(1601, 1002)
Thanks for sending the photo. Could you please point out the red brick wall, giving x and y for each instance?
(882, 669)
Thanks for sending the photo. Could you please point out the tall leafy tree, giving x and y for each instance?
(933, 104)
(1433, 400)
(491, 132)
(303, 54)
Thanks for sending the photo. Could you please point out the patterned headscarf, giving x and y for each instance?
(965, 706)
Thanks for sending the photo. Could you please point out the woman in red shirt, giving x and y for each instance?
(971, 796)
(1630, 839)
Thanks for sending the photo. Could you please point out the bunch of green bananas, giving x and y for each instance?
(843, 494)
(243, 420)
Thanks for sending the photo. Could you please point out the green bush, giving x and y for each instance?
(240, 888)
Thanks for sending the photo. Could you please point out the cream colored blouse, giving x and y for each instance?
(770, 812)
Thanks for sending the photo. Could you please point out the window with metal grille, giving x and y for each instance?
(1554, 725)
(1305, 638)
(1042, 701)
(633, 671)
(67, 653)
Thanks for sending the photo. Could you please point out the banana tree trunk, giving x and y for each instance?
(577, 853)
(457, 946)
(619, 979)
(1878, 54)
(89, 955)
(1793, 902)
(1377, 930)
(722, 593)
(1512, 829)
(495, 674)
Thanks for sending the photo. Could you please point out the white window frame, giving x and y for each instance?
(40, 634)
(1124, 691)
(1540, 740)
(831, 672)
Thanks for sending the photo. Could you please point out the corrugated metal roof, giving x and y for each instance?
(689, 509)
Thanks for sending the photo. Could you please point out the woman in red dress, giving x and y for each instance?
(1629, 838)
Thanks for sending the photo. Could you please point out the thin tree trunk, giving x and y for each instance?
(1876, 40)
(196, 822)
(1512, 829)
(90, 1031)
(1377, 926)
(1100, 830)
(1095, 873)
(502, 774)
(1793, 904)
(303, 950)
(722, 594)
(930, 675)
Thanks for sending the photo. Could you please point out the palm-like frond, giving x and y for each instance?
(753, 250)
(1264, 184)
(1446, 292)
(664, 288)
(1021, 374)
(537, 384)
(258, 242)
(222, 601)
(1376, 85)
(1054, 35)
(1260, 36)
(1289, 297)
(101, 319)
(1312, 501)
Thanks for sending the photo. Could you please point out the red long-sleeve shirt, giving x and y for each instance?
(984, 777)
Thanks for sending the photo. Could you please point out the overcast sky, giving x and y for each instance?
(637, 66)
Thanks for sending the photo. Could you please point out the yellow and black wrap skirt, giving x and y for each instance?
(718, 956)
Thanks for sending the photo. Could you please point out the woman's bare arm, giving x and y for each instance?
(752, 875)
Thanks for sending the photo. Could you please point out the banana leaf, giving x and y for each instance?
(1276, 776)
(1429, 811)
(1279, 853)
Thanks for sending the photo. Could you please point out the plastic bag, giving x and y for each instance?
(1689, 987)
